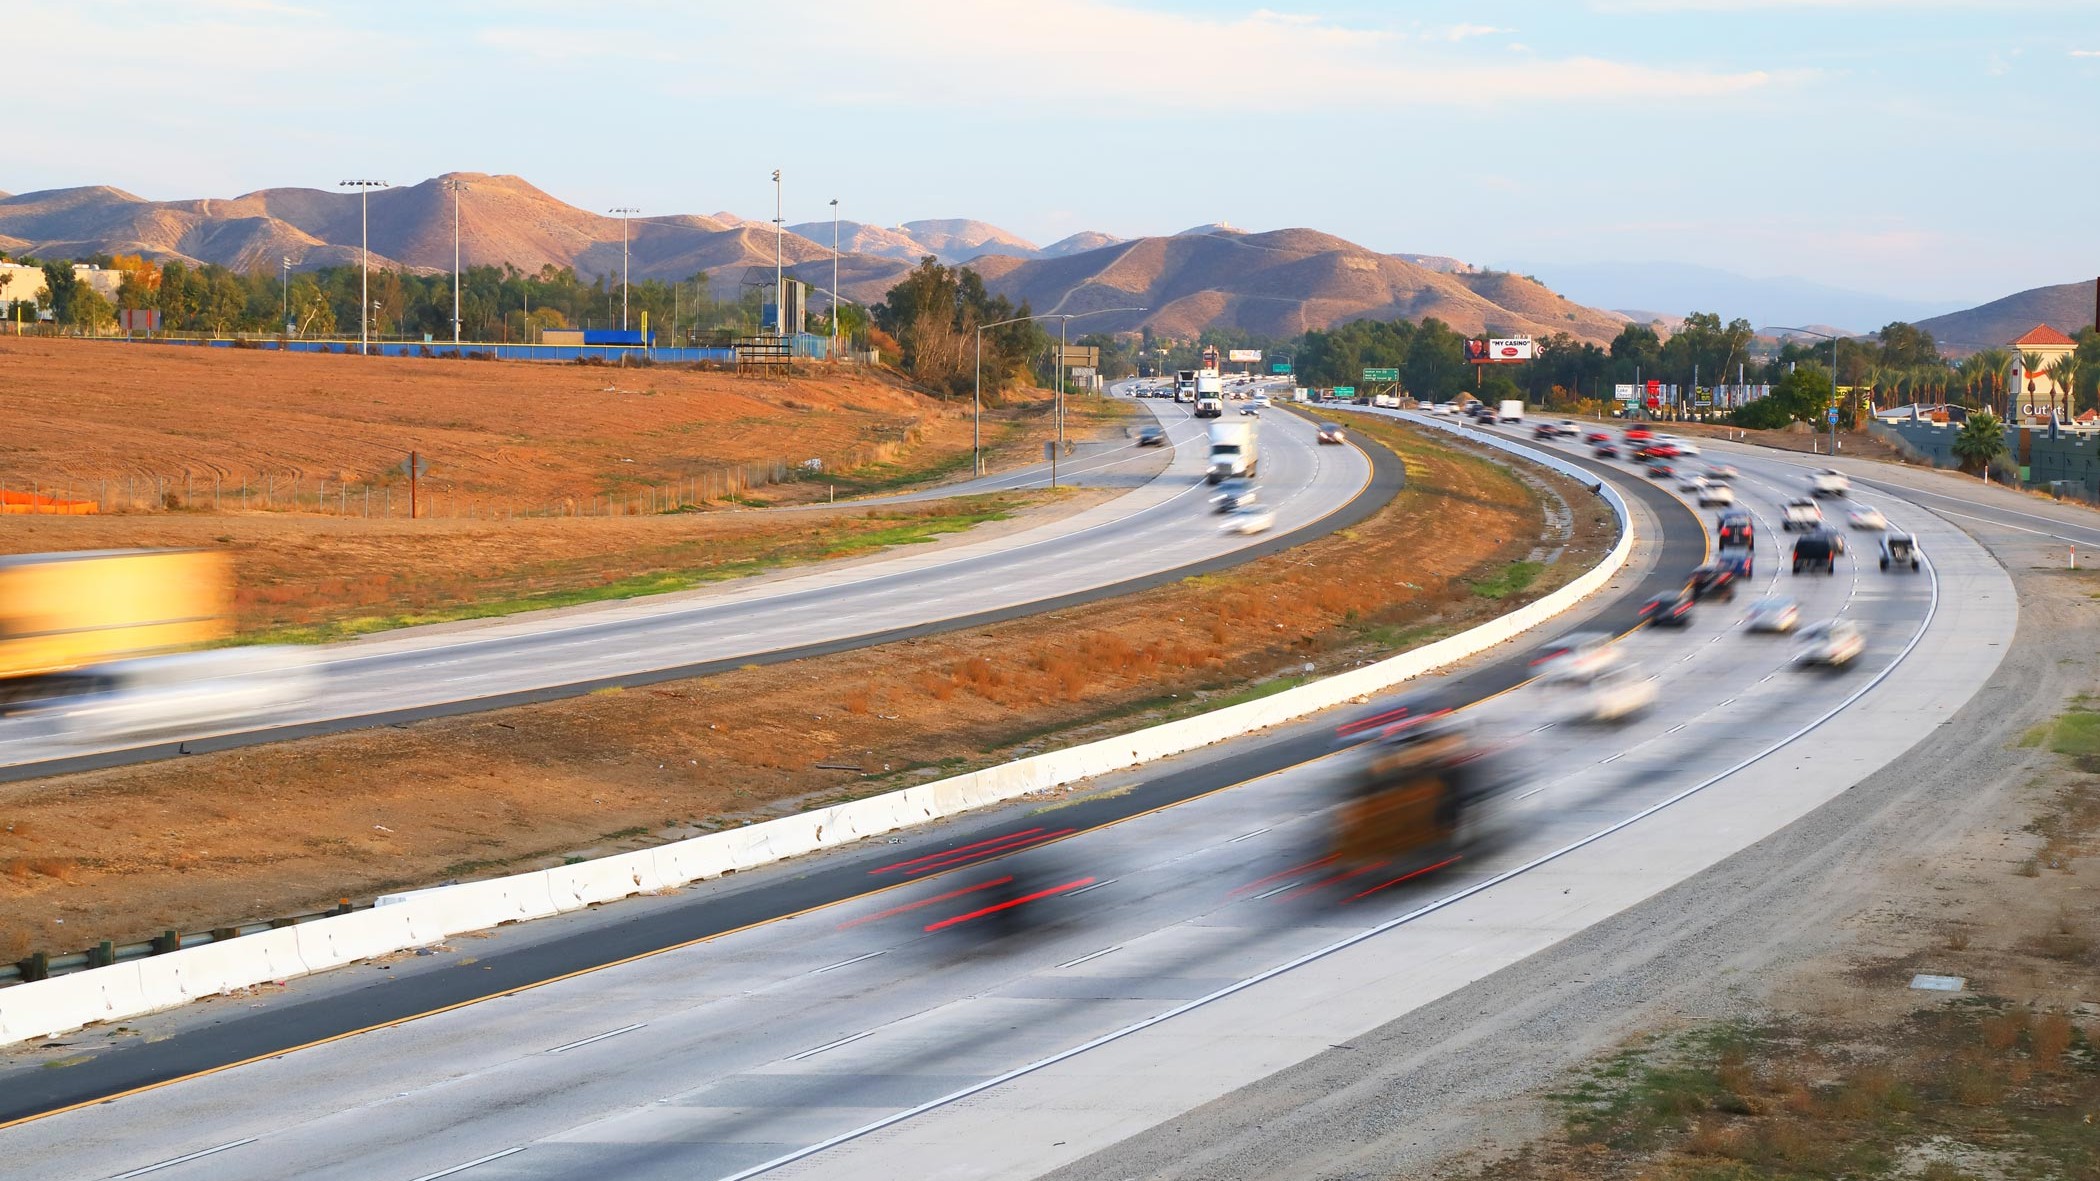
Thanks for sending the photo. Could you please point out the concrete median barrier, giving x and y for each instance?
(415, 918)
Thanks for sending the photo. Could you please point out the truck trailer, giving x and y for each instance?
(1234, 450)
(64, 614)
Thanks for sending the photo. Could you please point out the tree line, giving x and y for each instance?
(496, 303)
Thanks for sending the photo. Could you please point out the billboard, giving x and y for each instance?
(1251, 356)
(1625, 392)
(1501, 351)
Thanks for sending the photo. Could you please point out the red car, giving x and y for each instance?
(1596, 437)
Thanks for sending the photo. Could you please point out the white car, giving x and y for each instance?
(1613, 696)
(1261, 400)
(1684, 447)
(1773, 615)
(1721, 471)
(1833, 645)
(1802, 515)
(1716, 496)
(1249, 518)
(1691, 483)
(1829, 483)
(1867, 517)
(1577, 656)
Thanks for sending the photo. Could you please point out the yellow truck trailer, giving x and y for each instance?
(61, 613)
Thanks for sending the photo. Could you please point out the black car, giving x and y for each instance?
(1606, 451)
(1712, 581)
(1739, 562)
(1660, 471)
(1737, 531)
(1817, 547)
(1671, 610)
(1152, 436)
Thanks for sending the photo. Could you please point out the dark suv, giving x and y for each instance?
(1737, 531)
(1818, 547)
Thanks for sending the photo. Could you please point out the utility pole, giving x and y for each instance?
(457, 188)
(623, 211)
(364, 229)
(834, 279)
(284, 299)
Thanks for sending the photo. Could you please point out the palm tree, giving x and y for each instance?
(2031, 364)
(2065, 374)
(1993, 363)
(1980, 440)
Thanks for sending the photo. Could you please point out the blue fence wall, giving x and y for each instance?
(612, 354)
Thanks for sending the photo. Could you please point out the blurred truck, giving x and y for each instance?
(1422, 792)
(1234, 450)
(63, 615)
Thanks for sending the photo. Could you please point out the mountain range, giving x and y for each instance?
(1648, 292)
(1279, 282)
(2066, 307)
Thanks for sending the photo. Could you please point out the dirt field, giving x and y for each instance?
(252, 834)
(138, 427)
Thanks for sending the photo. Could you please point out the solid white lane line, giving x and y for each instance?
(1278, 890)
(1095, 886)
(843, 963)
(1674, 729)
(597, 1037)
(1092, 955)
(478, 1161)
(1245, 835)
(832, 1045)
(169, 1164)
(1615, 758)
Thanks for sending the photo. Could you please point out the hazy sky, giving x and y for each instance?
(1941, 150)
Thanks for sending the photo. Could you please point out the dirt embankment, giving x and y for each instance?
(251, 834)
(147, 427)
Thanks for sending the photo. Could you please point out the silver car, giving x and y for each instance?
(1773, 615)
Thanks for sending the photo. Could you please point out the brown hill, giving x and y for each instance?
(2066, 307)
(1281, 283)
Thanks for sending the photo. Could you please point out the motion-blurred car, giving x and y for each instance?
(1653, 449)
(1606, 450)
(1867, 517)
(1234, 492)
(1416, 798)
(1829, 482)
(1684, 446)
(1899, 550)
(1261, 400)
(1152, 436)
(1575, 656)
(1801, 514)
(1614, 696)
(1670, 610)
(1712, 581)
(1251, 410)
(1250, 518)
(1833, 645)
(1712, 495)
(1818, 548)
(1331, 432)
(1721, 471)
(1740, 562)
(1773, 615)
(1660, 471)
(1690, 482)
(1594, 438)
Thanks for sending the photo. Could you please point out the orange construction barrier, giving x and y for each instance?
(37, 502)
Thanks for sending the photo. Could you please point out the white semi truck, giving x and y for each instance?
(1210, 394)
(1234, 450)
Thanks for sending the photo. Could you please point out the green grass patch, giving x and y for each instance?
(2076, 734)
(1632, 1098)
(1512, 579)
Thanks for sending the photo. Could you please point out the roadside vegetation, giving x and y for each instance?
(229, 837)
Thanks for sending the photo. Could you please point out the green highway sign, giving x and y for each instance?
(1381, 375)
(1280, 368)
(1345, 391)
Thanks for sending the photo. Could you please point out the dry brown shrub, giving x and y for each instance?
(2049, 1038)
(14, 943)
(856, 701)
(1973, 1083)
(1219, 632)
(938, 687)
(1714, 1137)
(1867, 1093)
(2002, 1031)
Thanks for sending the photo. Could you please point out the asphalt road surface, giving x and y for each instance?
(1158, 531)
(1176, 953)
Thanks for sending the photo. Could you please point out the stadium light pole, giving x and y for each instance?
(364, 230)
(834, 280)
(779, 276)
(457, 188)
(284, 298)
(623, 211)
(1833, 377)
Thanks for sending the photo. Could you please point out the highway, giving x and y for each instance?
(1159, 530)
(831, 1015)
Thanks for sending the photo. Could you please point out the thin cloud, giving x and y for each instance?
(2085, 53)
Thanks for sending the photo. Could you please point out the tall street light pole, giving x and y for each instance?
(834, 279)
(364, 229)
(623, 211)
(457, 188)
(977, 392)
(284, 298)
(779, 280)
(1833, 378)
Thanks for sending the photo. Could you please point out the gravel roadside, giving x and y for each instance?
(1459, 1079)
